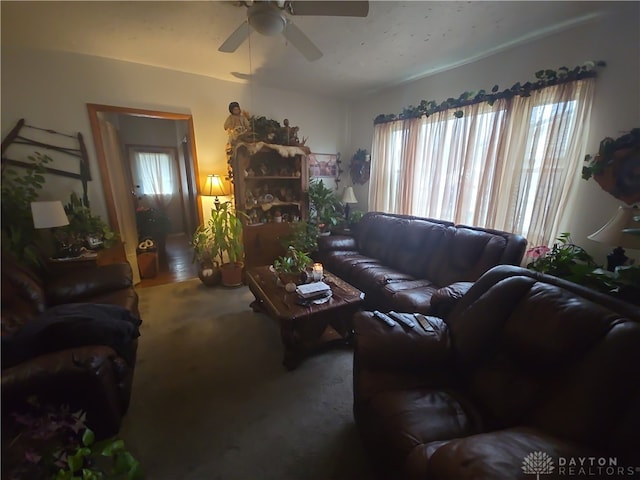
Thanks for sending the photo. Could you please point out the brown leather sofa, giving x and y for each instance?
(414, 264)
(525, 364)
(70, 339)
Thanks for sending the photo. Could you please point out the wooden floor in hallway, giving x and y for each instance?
(178, 265)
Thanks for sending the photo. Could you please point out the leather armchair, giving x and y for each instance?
(524, 363)
(57, 348)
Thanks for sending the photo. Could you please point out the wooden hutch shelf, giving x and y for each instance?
(272, 187)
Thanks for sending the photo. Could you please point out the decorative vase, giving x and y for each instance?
(232, 274)
(209, 273)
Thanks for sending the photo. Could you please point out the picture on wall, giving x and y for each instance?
(323, 164)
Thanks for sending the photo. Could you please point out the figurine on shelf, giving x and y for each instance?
(287, 131)
(237, 123)
(289, 134)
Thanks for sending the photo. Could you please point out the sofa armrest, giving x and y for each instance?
(73, 325)
(337, 242)
(500, 455)
(84, 378)
(379, 347)
(444, 299)
(79, 284)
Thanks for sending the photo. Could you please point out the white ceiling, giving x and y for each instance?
(398, 41)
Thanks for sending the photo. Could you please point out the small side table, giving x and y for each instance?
(88, 259)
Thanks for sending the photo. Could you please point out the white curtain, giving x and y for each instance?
(156, 174)
(121, 188)
(510, 166)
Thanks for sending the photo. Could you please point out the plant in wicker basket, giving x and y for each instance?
(291, 266)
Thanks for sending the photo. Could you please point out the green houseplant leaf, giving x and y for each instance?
(221, 236)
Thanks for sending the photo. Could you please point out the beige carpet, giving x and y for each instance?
(211, 399)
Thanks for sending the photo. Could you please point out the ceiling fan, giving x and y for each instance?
(271, 18)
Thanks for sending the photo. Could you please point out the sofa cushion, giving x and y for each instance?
(466, 254)
(81, 286)
(372, 276)
(399, 421)
(73, 325)
(499, 455)
(412, 296)
(23, 295)
(340, 262)
(415, 243)
(446, 298)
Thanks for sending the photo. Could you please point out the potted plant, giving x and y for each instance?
(153, 224)
(52, 442)
(18, 191)
(85, 229)
(354, 219)
(224, 230)
(303, 237)
(205, 250)
(615, 166)
(325, 209)
(572, 262)
(291, 266)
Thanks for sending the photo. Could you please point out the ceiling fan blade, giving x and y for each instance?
(330, 8)
(299, 40)
(240, 34)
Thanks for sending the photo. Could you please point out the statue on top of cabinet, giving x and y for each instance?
(237, 123)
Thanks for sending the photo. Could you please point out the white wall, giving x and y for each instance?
(51, 90)
(614, 38)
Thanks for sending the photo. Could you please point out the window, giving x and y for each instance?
(509, 166)
(154, 172)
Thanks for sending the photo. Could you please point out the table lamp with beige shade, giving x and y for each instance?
(348, 198)
(214, 187)
(49, 215)
(617, 231)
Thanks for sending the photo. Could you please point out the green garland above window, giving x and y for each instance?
(545, 78)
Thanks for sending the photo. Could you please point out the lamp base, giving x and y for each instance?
(616, 258)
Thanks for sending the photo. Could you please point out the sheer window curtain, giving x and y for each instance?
(510, 166)
(157, 177)
(120, 186)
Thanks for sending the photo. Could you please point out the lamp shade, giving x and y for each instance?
(213, 186)
(612, 232)
(48, 214)
(348, 196)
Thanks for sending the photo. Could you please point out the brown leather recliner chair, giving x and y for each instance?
(525, 363)
(70, 339)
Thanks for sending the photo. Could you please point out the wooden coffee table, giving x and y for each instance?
(305, 330)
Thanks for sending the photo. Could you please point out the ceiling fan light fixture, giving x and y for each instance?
(266, 21)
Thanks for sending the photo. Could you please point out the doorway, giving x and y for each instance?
(114, 130)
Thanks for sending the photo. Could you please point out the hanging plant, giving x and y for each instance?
(616, 166)
(544, 78)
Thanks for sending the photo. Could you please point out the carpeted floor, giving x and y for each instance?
(211, 399)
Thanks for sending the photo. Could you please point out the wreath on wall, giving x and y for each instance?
(360, 167)
(616, 166)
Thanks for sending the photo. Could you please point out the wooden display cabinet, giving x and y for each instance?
(271, 184)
